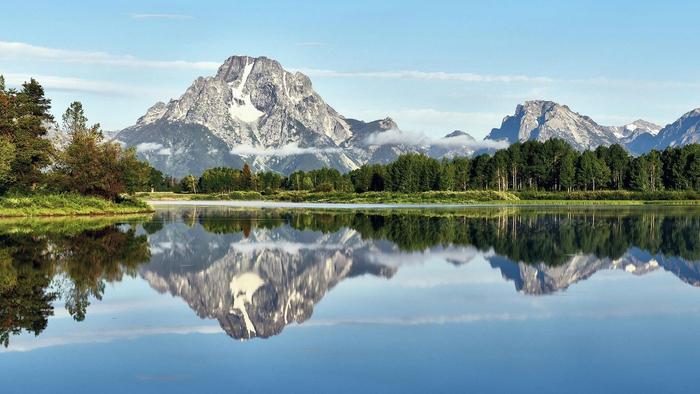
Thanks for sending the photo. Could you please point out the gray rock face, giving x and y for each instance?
(638, 137)
(257, 284)
(456, 143)
(538, 279)
(251, 111)
(542, 120)
(685, 130)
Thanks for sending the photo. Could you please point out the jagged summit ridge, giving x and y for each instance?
(252, 110)
(541, 120)
(686, 130)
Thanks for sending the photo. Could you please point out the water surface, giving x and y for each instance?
(197, 299)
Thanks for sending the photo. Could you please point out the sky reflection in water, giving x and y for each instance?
(499, 299)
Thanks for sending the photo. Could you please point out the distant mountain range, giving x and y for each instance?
(254, 111)
(256, 280)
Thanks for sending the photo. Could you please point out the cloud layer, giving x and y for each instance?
(27, 51)
(69, 84)
(287, 150)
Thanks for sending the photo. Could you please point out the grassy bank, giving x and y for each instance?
(67, 205)
(467, 197)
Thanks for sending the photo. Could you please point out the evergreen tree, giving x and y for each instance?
(28, 125)
(591, 171)
(462, 167)
(567, 171)
(247, 179)
(74, 119)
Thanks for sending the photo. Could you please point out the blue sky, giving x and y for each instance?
(433, 66)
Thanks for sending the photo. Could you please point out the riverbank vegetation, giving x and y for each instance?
(77, 173)
(532, 170)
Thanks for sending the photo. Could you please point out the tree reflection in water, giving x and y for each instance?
(42, 262)
(258, 270)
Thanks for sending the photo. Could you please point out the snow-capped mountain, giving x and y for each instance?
(685, 130)
(252, 111)
(456, 143)
(542, 120)
(638, 137)
(542, 278)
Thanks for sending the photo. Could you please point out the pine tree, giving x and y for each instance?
(567, 171)
(74, 119)
(247, 178)
(29, 125)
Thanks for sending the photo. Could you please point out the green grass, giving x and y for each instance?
(437, 197)
(608, 197)
(67, 205)
(64, 225)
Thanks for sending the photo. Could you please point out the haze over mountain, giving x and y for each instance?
(254, 111)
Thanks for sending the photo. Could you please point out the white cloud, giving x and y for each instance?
(29, 343)
(69, 84)
(282, 246)
(399, 137)
(429, 320)
(466, 142)
(496, 78)
(287, 150)
(396, 137)
(152, 146)
(425, 75)
(27, 51)
(161, 16)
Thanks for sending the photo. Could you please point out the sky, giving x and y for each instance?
(432, 66)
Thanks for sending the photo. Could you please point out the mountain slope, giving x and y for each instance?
(541, 120)
(685, 130)
(252, 111)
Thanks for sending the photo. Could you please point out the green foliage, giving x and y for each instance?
(24, 116)
(66, 204)
(219, 180)
(91, 166)
(86, 259)
(188, 184)
(88, 165)
(7, 156)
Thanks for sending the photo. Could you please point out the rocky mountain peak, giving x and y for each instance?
(252, 110)
(685, 130)
(541, 120)
(459, 133)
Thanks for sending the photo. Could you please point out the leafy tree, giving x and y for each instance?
(91, 166)
(188, 184)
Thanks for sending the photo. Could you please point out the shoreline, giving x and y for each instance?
(69, 205)
(349, 205)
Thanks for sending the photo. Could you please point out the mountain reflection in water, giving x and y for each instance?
(257, 271)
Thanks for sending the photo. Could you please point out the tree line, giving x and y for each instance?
(530, 236)
(87, 164)
(552, 165)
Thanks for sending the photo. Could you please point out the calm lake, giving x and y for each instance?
(501, 299)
